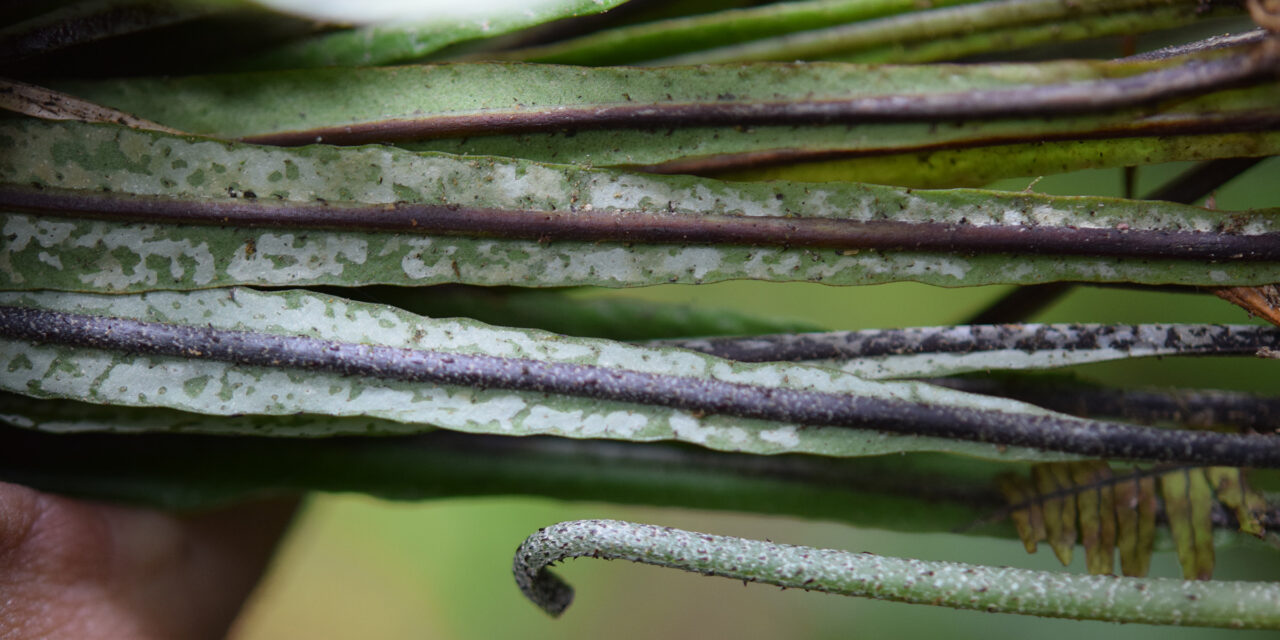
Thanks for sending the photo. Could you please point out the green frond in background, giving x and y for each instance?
(1120, 511)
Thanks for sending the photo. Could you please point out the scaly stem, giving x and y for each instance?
(949, 584)
(1132, 340)
(1194, 407)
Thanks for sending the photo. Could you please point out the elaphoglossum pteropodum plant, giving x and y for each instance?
(353, 247)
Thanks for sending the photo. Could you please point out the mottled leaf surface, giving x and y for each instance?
(99, 255)
(219, 388)
(935, 351)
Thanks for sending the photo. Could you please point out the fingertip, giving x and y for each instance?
(20, 508)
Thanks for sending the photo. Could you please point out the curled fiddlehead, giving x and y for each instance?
(950, 584)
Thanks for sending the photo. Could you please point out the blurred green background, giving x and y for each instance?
(355, 567)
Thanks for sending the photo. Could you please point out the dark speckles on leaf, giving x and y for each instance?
(688, 394)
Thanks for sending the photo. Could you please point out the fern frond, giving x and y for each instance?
(1065, 500)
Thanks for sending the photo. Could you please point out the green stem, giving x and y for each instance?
(633, 43)
(919, 26)
(949, 584)
(1026, 35)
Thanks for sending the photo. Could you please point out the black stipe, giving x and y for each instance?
(1192, 407)
(1194, 339)
(1090, 438)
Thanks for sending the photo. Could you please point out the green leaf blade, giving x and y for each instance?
(462, 109)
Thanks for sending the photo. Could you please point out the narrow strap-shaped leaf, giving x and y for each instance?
(184, 471)
(1122, 22)
(1059, 510)
(1107, 516)
(1233, 490)
(354, 216)
(639, 225)
(1029, 521)
(1089, 519)
(486, 99)
(1126, 496)
(935, 25)
(1152, 601)
(632, 44)
(1177, 509)
(1147, 508)
(1187, 187)
(240, 351)
(39, 102)
(1136, 524)
(1187, 504)
(938, 351)
(849, 111)
(1227, 486)
(1256, 505)
(1096, 505)
(220, 387)
(1200, 494)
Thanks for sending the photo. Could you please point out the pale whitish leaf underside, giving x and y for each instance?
(218, 388)
(124, 256)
